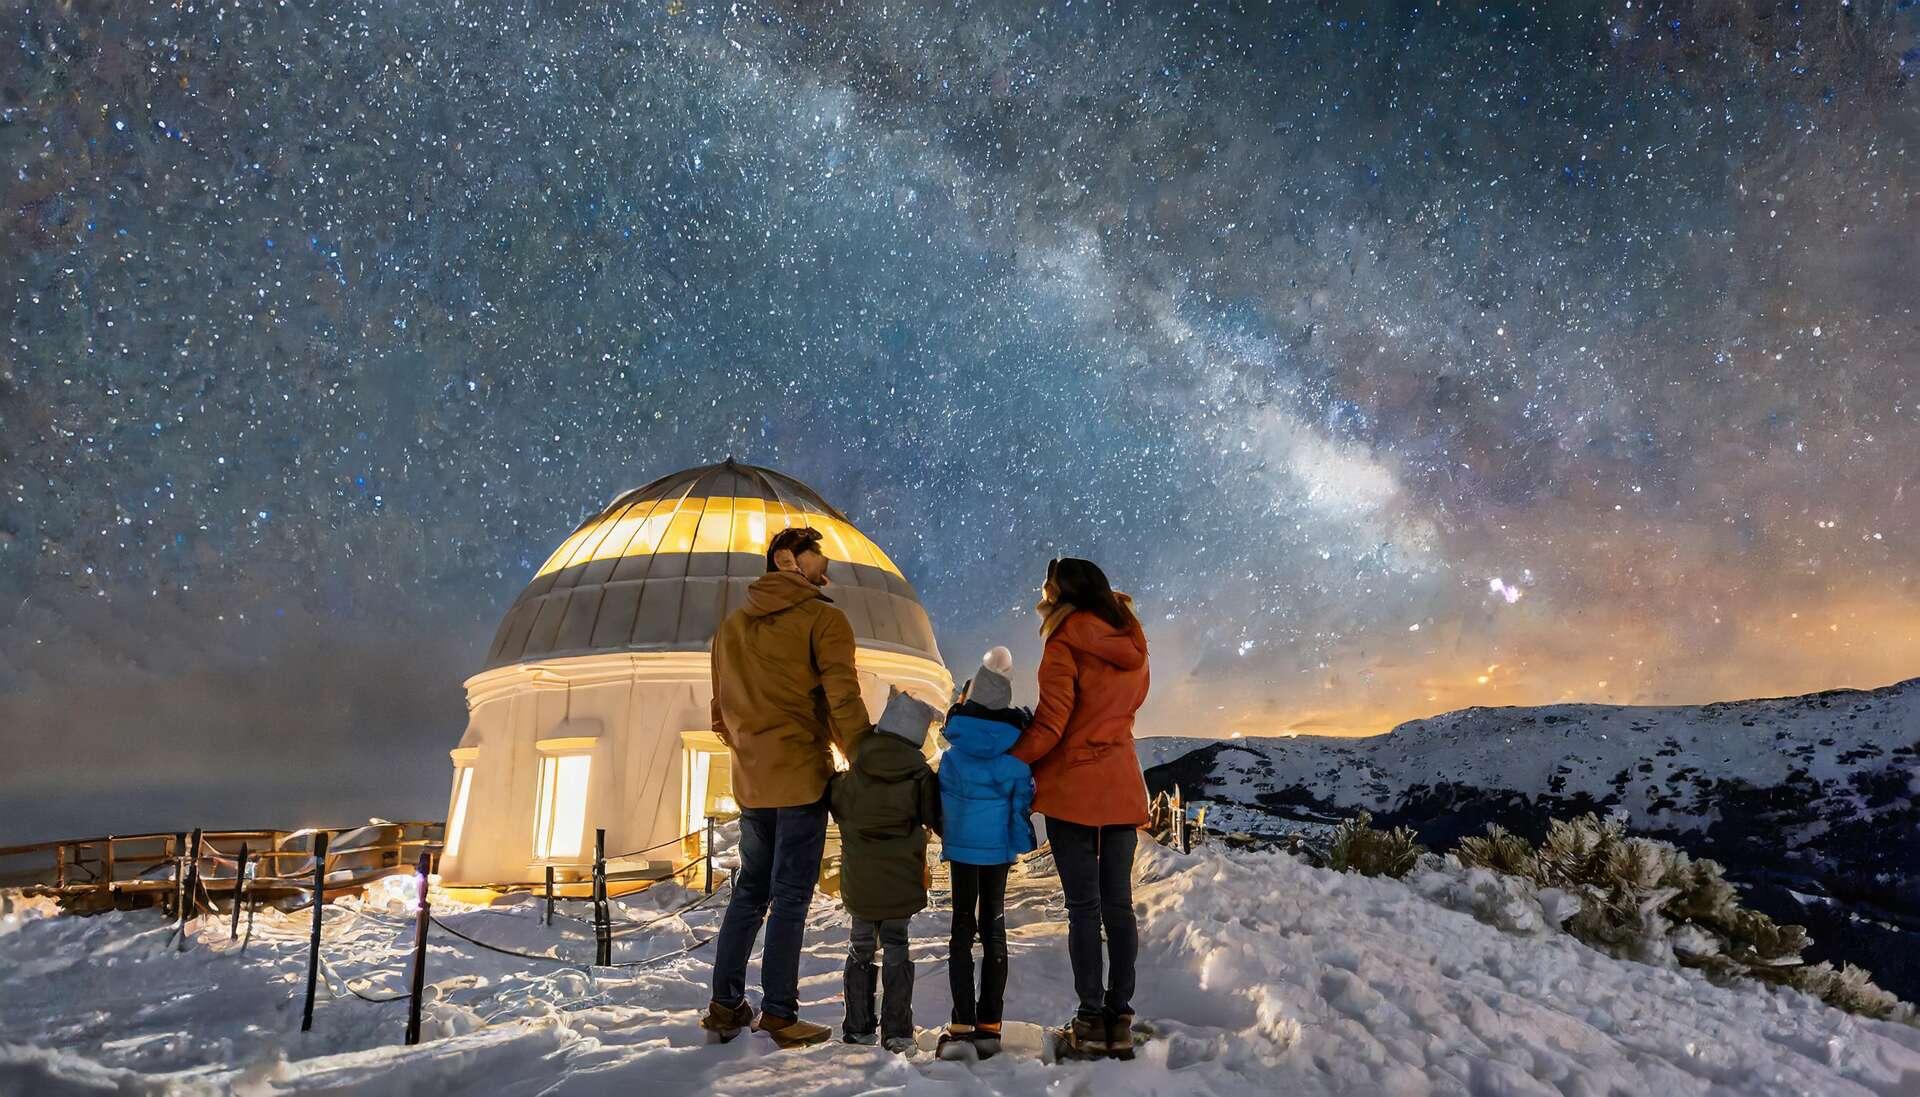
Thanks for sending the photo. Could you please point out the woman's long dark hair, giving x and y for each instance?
(1083, 585)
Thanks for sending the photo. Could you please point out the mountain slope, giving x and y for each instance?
(1812, 803)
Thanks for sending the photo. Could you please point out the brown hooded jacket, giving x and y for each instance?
(783, 689)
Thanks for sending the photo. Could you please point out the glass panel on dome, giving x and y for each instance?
(678, 538)
(880, 556)
(780, 517)
(715, 531)
(614, 544)
(750, 526)
(596, 533)
(647, 538)
(561, 554)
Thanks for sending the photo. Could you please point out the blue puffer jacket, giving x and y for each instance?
(986, 794)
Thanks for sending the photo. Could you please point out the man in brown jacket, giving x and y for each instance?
(784, 691)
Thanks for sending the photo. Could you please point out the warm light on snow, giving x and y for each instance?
(1261, 975)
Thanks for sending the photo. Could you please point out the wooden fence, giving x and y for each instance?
(123, 871)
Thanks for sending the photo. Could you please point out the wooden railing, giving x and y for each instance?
(136, 869)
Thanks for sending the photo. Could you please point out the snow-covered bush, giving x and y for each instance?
(1358, 847)
(1645, 900)
(1499, 899)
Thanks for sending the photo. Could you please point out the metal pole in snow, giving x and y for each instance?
(319, 905)
(602, 931)
(419, 954)
(548, 920)
(193, 879)
(239, 891)
(179, 874)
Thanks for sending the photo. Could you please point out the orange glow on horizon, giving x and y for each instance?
(1858, 644)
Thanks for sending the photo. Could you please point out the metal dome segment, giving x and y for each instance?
(660, 565)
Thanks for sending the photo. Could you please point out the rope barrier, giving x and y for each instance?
(651, 960)
(563, 962)
(559, 960)
(696, 904)
(656, 845)
(687, 909)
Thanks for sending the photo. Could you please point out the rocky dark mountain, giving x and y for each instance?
(1812, 802)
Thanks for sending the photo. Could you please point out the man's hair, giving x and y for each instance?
(794, 539)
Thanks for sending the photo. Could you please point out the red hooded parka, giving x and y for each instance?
(1093, 678)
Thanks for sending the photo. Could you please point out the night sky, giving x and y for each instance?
(1397, 359)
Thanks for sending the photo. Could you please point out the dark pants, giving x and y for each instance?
(896, 978)
(779, 865)
(979, 909)
(1096, 872)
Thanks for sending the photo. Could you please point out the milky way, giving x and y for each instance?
(1396, 359)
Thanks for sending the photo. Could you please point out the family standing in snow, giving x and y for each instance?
(785, 693)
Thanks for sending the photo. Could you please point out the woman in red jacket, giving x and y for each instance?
(1087, 782)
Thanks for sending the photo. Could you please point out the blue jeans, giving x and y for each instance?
(779, 865)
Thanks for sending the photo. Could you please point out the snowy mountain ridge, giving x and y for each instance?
(1661, 765)
(1812, 802)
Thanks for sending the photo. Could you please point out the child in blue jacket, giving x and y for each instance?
(986, 796)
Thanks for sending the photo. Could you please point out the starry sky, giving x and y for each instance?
(1397, 358)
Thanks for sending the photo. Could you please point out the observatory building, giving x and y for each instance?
(593, 707)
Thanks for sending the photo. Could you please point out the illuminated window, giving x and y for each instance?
(715, 532)
(561, 817)
(750, 526)
(678, 536)
(706, 787)
(457, 815)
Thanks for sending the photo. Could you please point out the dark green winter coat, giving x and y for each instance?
(884, 804)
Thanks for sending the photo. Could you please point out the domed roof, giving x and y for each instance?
(661, 565)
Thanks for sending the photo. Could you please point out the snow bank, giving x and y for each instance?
(1262, 975)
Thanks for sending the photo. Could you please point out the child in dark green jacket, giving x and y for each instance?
(885, 803)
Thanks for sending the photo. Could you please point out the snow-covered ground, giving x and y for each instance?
(1262, 975)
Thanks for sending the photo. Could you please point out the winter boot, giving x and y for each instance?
(957, 1043)
(864, 1039)
(899, 1045)
(1084, 1037)
(1120, 1035)
(724, 1022)
(986, 1039)
(791, 1032)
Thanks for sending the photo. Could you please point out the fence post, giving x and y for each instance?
(191, 906)
(319, 905)
(106, 874)
(548, 920)
(419, 954)
(179, 876)
(1180, 820)
(709, 855)
(60, 866)
(602, 938)
(239, 890)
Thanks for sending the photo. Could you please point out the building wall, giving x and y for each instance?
(633, 706)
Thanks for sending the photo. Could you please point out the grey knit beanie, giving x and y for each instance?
(907, 717)
(991, 687)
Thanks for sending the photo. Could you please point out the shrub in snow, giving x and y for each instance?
(1505, 901)
(1357, 847)
(1645, 900)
